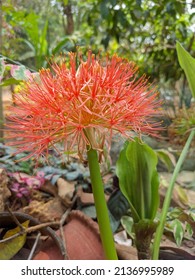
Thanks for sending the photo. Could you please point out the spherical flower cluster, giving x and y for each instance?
(82, 105)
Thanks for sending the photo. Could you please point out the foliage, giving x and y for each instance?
(11, 163)
(182, 124)
(166, 158)
(9, 248)
(179, 222)
(187, 63)
(12, 74)
(138, 179)
(30, 34)
(143, 31)
(139, 182)
(118, 206)
(127, 223)
(184, 120)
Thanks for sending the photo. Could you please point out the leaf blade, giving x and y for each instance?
(9, 248)
(138, 179)
(187, 63)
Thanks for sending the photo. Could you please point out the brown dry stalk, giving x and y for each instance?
(29, 230)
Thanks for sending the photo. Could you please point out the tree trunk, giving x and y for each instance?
(69, 26)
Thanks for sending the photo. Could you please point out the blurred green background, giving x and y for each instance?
(141, 30)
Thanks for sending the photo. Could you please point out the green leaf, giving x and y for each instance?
(10, 81)
(118, 205)
(114, 223)
(9, 248)
(43, 46)
(122, 171)
(29, 44)
(192, 216)
(60, 45)
(187, 63)
(182, 194)
(178, 231)
(127, 223)
(174, 213)
(104, 9)
(27, 55)
(138, 179)
(189, 230)
(167, 158)
(65, 2)
(137, 13)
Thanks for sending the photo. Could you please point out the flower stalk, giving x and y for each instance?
(101, 206)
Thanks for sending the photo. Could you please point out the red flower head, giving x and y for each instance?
(82, 106)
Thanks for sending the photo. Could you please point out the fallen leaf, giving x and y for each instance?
(50, 211)
(65, 191)
(121, 238)
(168, 241)
(90, 211)
(84, 198)
(126, 252)
(176, 201)
(171, 253)
(185, 178)
(9, 248)
(49, 188)
(191, 198)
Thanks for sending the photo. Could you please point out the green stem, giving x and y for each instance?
(101, 206)
(168, 196)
